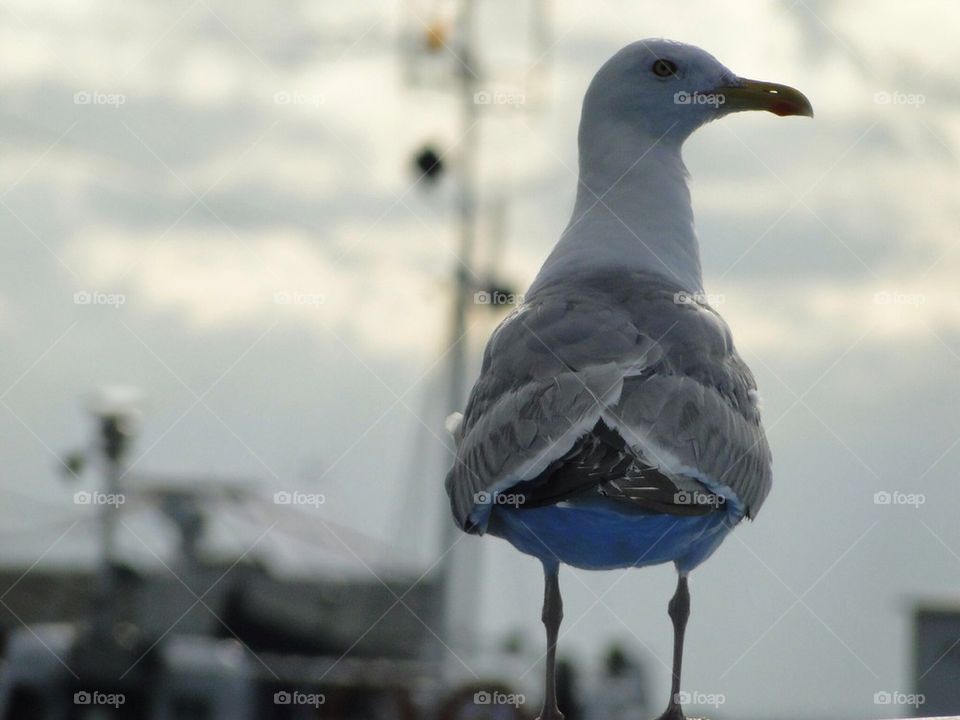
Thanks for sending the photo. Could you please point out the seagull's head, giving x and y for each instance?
(669, 89)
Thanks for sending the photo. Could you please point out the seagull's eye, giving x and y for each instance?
(664, 68)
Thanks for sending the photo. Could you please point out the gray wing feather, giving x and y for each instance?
(698, 434)
(616, 346)
(521, 432)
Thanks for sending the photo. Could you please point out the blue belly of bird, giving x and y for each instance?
(598, 537)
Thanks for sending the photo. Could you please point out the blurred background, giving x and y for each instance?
(250, 258)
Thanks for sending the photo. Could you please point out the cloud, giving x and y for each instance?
(215, 279)
(821, 318)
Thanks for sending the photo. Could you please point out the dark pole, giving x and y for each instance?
(115, 428)
(453, 573)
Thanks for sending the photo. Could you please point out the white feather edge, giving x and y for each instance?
(669, 464)
(453, 423)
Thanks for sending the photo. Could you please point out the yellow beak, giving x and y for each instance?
(781, 100)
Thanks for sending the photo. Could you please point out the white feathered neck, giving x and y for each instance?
(632, 210)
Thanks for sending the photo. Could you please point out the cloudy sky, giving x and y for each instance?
(215, 204)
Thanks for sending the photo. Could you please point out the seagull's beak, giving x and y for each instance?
(781, 100)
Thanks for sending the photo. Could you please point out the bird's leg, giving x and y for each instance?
(679, 610)
(552, 616)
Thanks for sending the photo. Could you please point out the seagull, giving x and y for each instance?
(613, 423)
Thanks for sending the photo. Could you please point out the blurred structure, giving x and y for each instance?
(205, 637)
(936, 659)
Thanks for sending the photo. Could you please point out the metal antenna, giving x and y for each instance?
(459, 574)
(116, 410)
(459, 569)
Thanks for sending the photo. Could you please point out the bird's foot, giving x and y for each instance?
(673, 712)
(550, 714)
